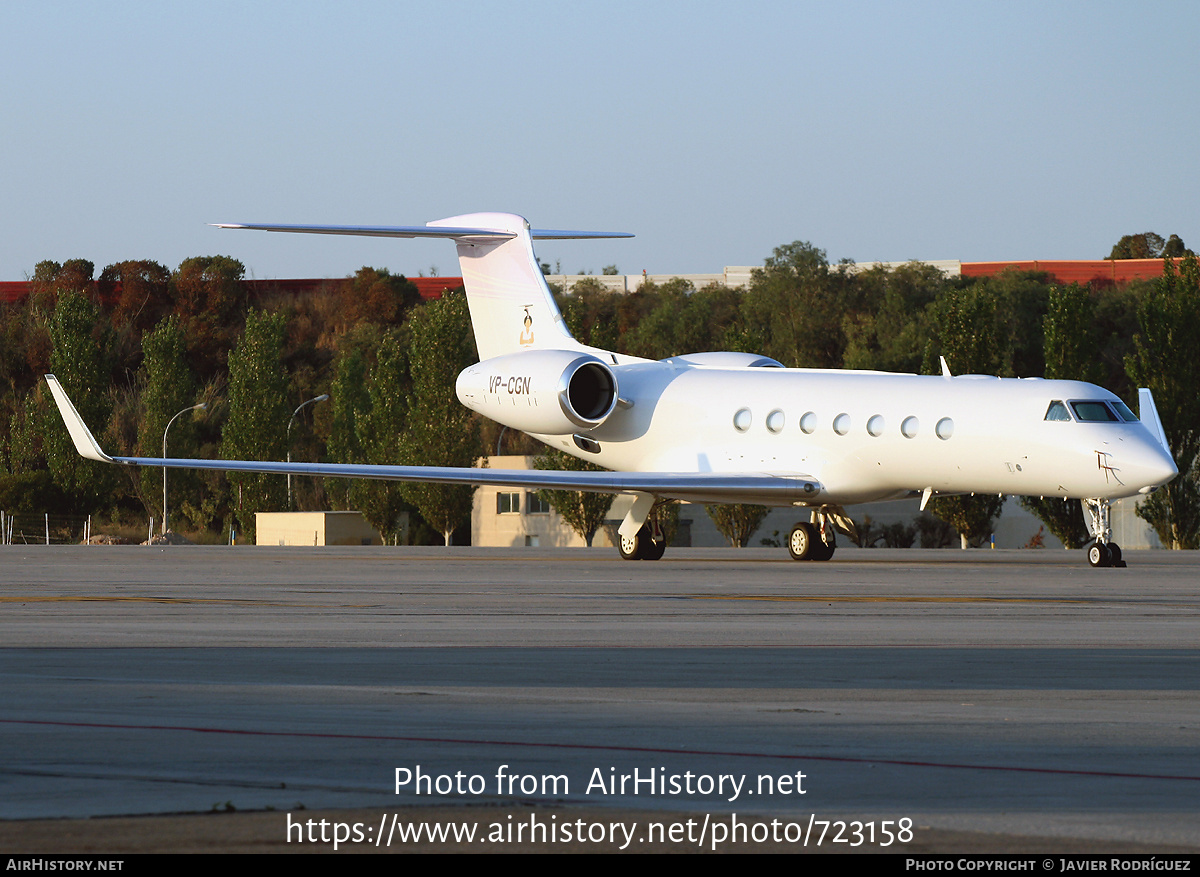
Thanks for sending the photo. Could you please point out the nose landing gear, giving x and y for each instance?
(1103, 551)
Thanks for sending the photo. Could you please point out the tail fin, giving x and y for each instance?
(511, 306)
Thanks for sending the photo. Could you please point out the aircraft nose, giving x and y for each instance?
(1154, 466)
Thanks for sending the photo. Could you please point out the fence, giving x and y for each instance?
(47, 529)
(43, 529)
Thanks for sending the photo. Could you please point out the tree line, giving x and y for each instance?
(140, 343)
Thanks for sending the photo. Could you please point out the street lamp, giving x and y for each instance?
(202, 406)
(320, 398)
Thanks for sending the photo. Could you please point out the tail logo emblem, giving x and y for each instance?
(527, 336)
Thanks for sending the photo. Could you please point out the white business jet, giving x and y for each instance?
(740, 428)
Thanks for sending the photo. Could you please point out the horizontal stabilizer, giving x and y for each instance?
(426, 231)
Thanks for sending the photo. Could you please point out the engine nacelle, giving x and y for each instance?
(551, 392)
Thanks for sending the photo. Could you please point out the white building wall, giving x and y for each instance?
(313, 528)
(734, 276)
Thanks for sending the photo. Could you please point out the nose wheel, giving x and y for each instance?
(1105, 554)
(1102, 552)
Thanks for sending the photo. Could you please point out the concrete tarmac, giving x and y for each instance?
(999, 693)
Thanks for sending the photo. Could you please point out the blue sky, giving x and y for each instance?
(715, 133)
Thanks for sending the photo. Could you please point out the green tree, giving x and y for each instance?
(50, 279)
(973, 341)
(141, 290)
(1164, 359)
(683, 320)
(737, 521)
(972, 516)
(583, 512)
(168, 387)
(78, 358)
(590, 312)
(1071, 346)
(350, 402)
(1071, 337)
(1062, 517)
(796, 305)
(1146, 245)
(380, 433)
(889, 331)
(210, 299)
(374, 295)
(1175, 248)
(258, 415)
(440, 431)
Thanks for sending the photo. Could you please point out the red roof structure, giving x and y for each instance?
(429, 287)
(1075, 271)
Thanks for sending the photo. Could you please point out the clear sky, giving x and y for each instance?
(713, 131)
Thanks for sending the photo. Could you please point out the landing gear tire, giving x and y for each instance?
(801, 541)
(653, 550)
(822, 550)
(633, 547)
(642, 546)
(1115, 550)
(1098, 554)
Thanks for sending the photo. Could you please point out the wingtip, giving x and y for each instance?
(85, 443)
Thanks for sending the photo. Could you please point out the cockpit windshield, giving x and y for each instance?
(1123, 410)
(1093, 412)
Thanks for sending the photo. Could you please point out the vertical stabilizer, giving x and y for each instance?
(511, 306)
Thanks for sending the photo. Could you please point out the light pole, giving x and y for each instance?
(202, 406)
(320, 398)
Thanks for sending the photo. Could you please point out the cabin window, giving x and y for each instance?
(910, 427)
(775, 421)
(944, 428)
(808, 423)
(876, 425)
(1093, 412)
(742, 420)
(508, 503)
(841, 424)
(1057, 411)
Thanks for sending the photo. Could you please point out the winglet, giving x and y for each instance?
(1149, 417)
(85, 442)
(945, 368)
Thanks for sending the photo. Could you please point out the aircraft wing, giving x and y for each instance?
(714, 487)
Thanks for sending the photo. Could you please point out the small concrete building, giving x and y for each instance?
(314, 528)
(510, 517)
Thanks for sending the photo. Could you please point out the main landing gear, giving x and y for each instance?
(647, 544)
(1103, 551)
(812, 541)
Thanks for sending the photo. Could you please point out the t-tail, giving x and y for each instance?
(511, 305)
